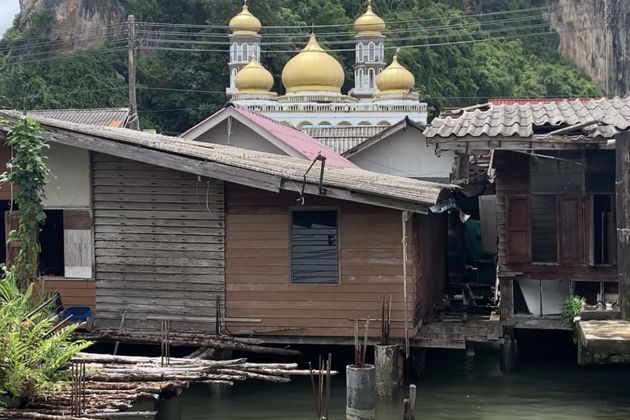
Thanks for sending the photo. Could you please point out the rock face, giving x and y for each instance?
(78, 23)
(595, 35)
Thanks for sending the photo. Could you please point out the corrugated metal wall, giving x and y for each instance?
(159, 245)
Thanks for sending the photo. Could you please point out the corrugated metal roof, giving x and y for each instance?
(593, 118)
(296, 139)
(108, 117)
(342, 139)
(288, 169)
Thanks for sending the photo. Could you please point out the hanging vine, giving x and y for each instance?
(26, 172)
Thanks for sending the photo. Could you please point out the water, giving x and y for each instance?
(455, 387)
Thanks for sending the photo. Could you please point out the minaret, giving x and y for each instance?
(244, 43)
(370, 53)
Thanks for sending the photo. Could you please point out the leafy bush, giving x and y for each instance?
(571, 308)
(31, 357)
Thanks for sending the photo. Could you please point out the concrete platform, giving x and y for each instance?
(605, 341)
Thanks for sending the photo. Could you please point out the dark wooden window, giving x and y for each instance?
(518, 229)
(571, 235)
(51, 259)
(314, 247)
(544, 228)
(559, 172)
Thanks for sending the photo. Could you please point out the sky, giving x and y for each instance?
(8, 10)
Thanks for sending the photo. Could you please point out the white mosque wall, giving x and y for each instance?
(338, 118)
(238, 135)
(406, 154)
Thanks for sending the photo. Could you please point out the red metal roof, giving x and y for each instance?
(296, 139)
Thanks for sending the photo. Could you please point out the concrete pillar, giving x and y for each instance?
(168, 409)
(386, 366)
(509, 353)
(360, 400)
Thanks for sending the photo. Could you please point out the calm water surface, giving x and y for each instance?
(455, 387)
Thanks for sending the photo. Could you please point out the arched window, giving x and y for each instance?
(256, 52)
(371, 51)
(360, 78)
(371, 75)
(365, 123)
(344, 124)
(245, 52)
(382, 52)
(232, 52)
(305, 124)
(377, 53)
(360, 53)
(233, 79)
(383, 123)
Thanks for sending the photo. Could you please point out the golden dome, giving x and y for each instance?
(395, 78)
(254, 78)
(369, 23)
(245, 23)
(313, 69)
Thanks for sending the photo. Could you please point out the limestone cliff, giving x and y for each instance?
(595, 34)
(79, 23)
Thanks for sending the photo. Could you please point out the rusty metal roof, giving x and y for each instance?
(595, 118)
(342, 139)
(107, 117)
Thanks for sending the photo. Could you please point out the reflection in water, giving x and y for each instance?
(455, 387)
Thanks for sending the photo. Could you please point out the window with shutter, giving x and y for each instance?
(518, 229)
(571, 233)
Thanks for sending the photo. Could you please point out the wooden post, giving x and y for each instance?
(622, 145)
(405, 218)
(409, 404)
(386, 365)
(360, 401)
(133, 123)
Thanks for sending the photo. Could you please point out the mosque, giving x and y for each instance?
(382, 94)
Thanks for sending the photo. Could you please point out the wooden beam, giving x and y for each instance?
(166, 160)
(622, 142)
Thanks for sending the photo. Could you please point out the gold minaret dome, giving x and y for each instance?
(395, 78)
(313, 69)
(254, 78)
(369, 23)
(245, 23)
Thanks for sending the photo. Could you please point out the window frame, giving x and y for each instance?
(337, 210)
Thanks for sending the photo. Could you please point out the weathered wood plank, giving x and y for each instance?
(134, 237)
(202, 223)
(154, 253)
(160, 261)
(161, 230)
(161, 245)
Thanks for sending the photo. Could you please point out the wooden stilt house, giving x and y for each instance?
(286, 246)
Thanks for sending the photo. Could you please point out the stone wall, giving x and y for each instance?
(79, 23)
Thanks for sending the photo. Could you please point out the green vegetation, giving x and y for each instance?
(34, 345)
(571, 307)
(454, 74)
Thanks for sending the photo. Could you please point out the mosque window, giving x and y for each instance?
(371, 51)
(360, 53)
(232, 52)
(371, 73)
(233, 79)
(360, 78)
(245, 52)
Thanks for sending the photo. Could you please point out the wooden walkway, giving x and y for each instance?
(452, 331)
(603, 342)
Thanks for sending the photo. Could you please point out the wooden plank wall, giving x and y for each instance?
(430, 249)
(159, 244)
(258, 268)
(73, 292)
